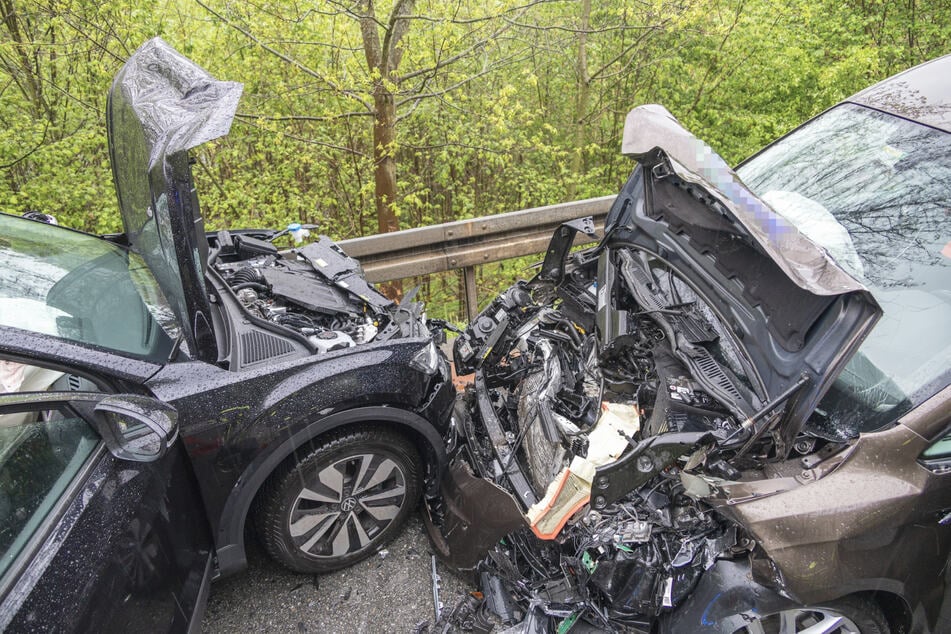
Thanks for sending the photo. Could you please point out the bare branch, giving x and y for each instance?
(331, 45)
(69, 95)
(438, 93)
(293, 62)
(448, 144)
(702, 85)
(84, 29)
(485, 18)
(301, 139)
(25, 156)
(637, 41)
(581, 31)
(455, 58)
(250, 116)
(352, 13)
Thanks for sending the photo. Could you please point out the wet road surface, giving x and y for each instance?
(386, 593)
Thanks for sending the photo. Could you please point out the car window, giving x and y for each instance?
(875, 191)
(41, 452)
(79, 287)
(940, 449)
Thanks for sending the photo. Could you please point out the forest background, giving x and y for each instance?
(363, 116)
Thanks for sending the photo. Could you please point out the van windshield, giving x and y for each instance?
(875, 191)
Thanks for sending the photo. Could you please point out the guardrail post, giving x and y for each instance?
(471, 296)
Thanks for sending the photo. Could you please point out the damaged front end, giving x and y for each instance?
(625, 396)
(584, 512)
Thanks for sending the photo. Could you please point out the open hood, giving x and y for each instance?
(160, 106)
(797, 313)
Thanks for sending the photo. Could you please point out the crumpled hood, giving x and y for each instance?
(652, 126)
(798, 314)
(161, 105)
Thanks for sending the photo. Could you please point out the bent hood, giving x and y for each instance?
(797, 312)
(161, 105)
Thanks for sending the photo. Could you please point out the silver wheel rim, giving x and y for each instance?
(348, 504)
(802, 621)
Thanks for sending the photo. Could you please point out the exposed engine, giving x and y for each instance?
(610, 414)
(315, 290)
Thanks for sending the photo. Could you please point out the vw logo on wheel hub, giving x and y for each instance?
(348, 504)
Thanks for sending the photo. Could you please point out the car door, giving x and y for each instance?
(101, 525)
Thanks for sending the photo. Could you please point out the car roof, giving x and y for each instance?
(922, 94)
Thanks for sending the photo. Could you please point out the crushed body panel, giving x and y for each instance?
(714, 340)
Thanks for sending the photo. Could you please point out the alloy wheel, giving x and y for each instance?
(802, 621)
(346, 505)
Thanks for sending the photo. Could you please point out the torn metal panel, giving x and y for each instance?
(476, 515)
(709, 342)
(650, 127)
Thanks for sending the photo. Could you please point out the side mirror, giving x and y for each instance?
(136, 428)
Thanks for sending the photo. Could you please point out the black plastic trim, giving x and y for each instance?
(198, 615)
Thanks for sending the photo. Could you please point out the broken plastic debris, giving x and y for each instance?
(668, 601)
(437, 603)
(571, 488)
(695, 486)
(565, 626)
(566, 495)
(609, 438)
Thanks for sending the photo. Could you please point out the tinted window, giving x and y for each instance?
(875, 191)
(40, 454)
(82, 288)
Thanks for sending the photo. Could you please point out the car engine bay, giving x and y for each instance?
(315, 290)
(610, 402)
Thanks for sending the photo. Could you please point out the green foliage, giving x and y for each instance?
(501, 105)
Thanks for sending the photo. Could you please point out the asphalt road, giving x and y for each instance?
(390, 592)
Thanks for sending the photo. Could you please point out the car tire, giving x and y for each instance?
(341, 502)
(850, 615)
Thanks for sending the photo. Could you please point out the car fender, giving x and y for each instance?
(238, 427)
(230, 535)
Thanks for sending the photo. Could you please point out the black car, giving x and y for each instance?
(733, 414)
(165, 389)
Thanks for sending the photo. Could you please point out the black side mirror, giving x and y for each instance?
(136, 428)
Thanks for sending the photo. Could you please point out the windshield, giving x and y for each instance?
(875, 191)
(82, 288)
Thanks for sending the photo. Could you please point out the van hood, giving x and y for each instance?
(794, 309)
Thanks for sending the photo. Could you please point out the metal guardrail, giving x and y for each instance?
(466, 243)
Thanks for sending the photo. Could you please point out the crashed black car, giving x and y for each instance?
(167, 389)
(732, 414)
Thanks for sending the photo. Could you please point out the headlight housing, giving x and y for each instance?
(427, 359)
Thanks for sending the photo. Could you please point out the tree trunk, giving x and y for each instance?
(384, 136)
(384, 58)
(384, 172)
